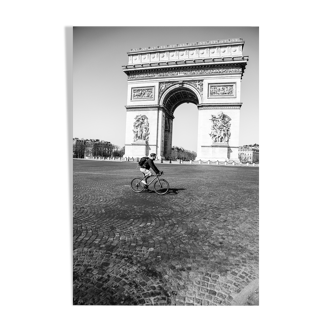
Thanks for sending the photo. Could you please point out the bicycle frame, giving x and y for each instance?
(155, 178)
(161, 186)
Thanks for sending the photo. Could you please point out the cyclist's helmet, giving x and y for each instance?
(152, 155)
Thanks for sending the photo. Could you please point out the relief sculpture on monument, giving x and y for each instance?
(220, 130)
(197, 84)
(142, 93)
(141, 128)
(221, 90)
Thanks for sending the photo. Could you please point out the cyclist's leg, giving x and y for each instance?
(146, 175)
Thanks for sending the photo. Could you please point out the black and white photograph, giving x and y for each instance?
(165, 166)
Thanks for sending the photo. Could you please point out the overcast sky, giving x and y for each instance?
(100, 85)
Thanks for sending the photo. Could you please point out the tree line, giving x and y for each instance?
(94, 148)
(180, 153)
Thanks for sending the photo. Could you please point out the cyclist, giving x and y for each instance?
(145, 168)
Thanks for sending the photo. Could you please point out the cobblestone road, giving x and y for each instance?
(197, 245)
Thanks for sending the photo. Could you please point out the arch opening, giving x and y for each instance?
(177, 97)
(181, 129)
(185, 127)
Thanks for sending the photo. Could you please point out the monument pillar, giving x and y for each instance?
(218, 132)
(168, 131)
(139, 121)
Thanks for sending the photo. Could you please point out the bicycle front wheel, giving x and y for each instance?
(161, 187)
(137, 185)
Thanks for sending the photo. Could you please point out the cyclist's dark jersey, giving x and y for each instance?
(150, 164)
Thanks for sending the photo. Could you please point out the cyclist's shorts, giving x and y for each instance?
(145, 171)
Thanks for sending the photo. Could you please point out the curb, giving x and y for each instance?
(242, 297)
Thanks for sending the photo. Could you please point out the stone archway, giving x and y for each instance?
(207, 74)
(172, 95)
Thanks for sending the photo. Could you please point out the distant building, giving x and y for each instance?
(91, 148)
(249, 153)
(102, 149)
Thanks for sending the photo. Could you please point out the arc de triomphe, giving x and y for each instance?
(207, 74)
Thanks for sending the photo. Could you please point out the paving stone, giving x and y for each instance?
(204, 290)
(197, 301)
(212, 292)
(197, 246)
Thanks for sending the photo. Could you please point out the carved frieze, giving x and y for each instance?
(145, 93)
(184, 72)
(198, 85)
(164, 85)
(222, 90)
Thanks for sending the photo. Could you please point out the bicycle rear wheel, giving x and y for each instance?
(161, 187)
(137, 185)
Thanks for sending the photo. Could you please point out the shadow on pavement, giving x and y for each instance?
(172, 191)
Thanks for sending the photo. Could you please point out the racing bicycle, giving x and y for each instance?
(161, 186)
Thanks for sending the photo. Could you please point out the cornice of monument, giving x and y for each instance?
(215, 43)
(186, 63)
(156, 107)
(219, 106)
(190, 70)
(146, 107)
